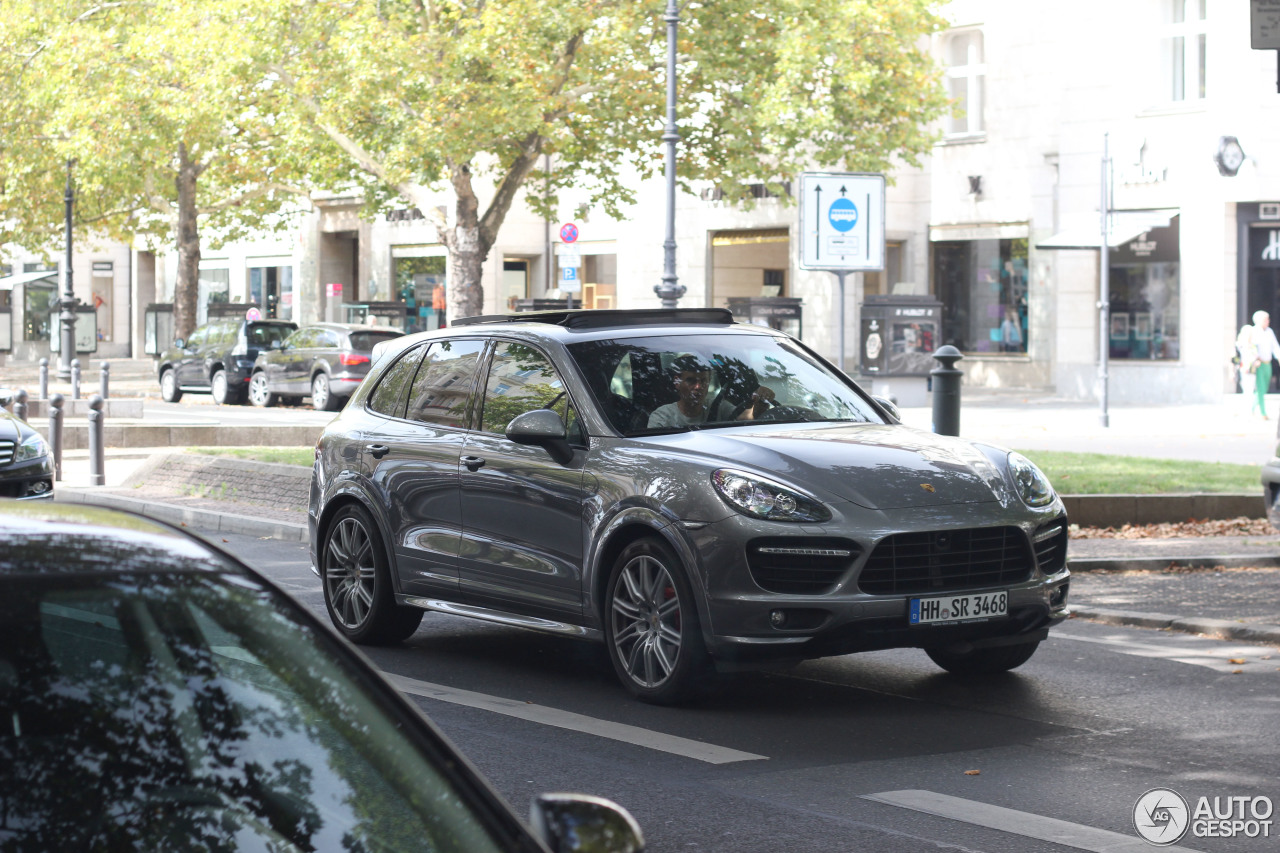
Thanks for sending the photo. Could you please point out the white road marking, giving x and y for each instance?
(634, 735)
(1030, 825)
(1211, 654)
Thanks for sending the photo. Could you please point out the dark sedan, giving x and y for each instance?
(26, 465)
(326, 361)
(699, 495)
(218, 358)
(156, 694)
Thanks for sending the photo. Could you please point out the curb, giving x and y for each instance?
(1221, 629)
(211, 520)
(1189, 561)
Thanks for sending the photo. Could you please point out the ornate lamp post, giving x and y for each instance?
(67, 316)
(669, 291)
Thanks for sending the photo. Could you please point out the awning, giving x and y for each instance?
(9, 281)
(1125, 226)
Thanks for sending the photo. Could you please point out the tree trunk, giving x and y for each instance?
(186, 290)
(468, 250)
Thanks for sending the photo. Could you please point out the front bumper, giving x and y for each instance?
(31, 479)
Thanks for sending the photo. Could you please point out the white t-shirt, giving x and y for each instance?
(671, 416)
(1265, 341)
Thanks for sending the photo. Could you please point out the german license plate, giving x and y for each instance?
(959, 608)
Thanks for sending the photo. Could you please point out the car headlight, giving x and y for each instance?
(762, 498)
(32, 447)
(1032, 486)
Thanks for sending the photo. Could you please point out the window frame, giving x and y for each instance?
(576, 438)
(975, 76)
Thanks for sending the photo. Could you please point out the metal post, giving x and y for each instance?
(946, 391)
(44, 379)
(1104, 283)
(840, 277)
(75, 379)
(20, 404)
(97, 456)
(105, 380)
(55, 434)
(669, 291)
(67, 315)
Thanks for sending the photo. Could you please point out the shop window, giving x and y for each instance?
(966, 76)
(982, 285)
(420, 285)
(271, 289)
(888, 279)
(38, 301)
(1144, 293)
(103, 283)
(515, 282)
(214, 289)
(1186, 50)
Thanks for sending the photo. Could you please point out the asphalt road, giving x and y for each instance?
(864, 752)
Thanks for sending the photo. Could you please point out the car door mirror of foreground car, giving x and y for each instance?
(542, 428)
(577, 822)
(888, 406)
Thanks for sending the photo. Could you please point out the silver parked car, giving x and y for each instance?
(326, 361)
(698, 494)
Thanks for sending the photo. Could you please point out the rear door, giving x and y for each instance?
(412, 457)
(522, 512)
(293, 360)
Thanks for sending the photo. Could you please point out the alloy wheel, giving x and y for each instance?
(259, 395)
(349, 572)
(645, 621)
(320, 392)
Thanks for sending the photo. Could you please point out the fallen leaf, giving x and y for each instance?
(972, 772)
(1236, 660)
(1236, 671)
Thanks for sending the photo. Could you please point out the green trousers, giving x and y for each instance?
(1262, 382)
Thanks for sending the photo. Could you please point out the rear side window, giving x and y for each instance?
(442, 388)
(393, 388)
(327, 339)
(366, 341)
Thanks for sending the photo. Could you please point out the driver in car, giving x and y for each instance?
(692, 379)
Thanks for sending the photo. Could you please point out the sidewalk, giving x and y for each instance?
(1224, 587)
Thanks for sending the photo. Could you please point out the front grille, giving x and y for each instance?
(800, 565)
(1051, 546)
(6, 451)
(944, 560)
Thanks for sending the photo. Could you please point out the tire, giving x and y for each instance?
(984, 661)
(321, 398)
(651, 626)
(259, 393)
(221, 389)
(169, 390)
(357, 583)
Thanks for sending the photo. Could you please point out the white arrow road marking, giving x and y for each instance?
(634, 735)
(1030, 825)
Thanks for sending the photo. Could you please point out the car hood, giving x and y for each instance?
(877, 466)
(10, 430)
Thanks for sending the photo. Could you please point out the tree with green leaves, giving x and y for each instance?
(168, 124)
(401, 98)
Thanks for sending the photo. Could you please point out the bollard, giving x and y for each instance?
(97, 456)
(20, 404)
(55, 434)
(946, 391)
(44, 379)
(104, 382)
(75, 379)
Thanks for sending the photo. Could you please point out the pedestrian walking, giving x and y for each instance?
(1258, 346)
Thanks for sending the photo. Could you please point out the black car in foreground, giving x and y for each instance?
(156, 694)
(699, 495)
(26, 465)
(218, 358)
(325, 361)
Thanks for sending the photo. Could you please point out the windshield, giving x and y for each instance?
(194, 713)
(652, 385)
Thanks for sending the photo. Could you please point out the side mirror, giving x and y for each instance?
(180, 343)
(888, 406)
(578, 823)
(542, 428)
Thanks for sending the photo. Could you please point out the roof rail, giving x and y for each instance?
(597, 318)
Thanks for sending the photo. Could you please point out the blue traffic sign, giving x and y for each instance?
(843, 214)
(568, 273)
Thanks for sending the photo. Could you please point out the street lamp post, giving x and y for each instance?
(67, 316)
(669, 291)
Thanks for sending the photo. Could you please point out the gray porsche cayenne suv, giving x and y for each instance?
(699, 495)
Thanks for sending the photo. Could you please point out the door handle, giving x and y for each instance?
(377, 451)
(473, 463)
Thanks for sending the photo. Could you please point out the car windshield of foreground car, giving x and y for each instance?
(191, 711)
(652, 385)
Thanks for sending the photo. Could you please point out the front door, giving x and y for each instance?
(522, 512)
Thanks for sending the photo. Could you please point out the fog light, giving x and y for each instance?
(1058, 596)
(39, 487)
(778, 618)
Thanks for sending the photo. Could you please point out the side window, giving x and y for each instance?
(198, 336)
(389, 397)
(327, 339)
(442, 388)
(521, 379)
(297, 339)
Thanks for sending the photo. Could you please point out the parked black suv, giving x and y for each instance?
(218, 358)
